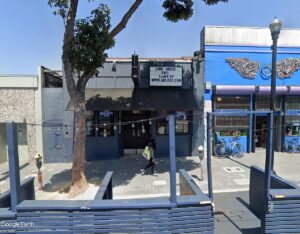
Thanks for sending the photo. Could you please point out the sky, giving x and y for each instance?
(31, 35)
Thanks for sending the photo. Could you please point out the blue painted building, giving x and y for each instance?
(237, 69)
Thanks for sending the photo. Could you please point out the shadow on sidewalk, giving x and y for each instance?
(6, 173)
(125, 169)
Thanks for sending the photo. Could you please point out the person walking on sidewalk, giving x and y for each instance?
(150, 157)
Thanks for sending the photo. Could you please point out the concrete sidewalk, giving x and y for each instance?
(229, 175)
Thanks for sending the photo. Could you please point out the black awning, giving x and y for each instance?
(170, 99)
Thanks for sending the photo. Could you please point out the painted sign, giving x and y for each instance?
(165, 76)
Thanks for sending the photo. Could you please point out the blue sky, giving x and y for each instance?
(31, 35)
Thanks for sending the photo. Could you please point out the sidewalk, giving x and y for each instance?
(230, 182)
(229, 175)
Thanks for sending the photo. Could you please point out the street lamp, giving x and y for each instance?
(275, 28)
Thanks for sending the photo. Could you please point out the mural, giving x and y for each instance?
(244, 66)
(249, 69)
(287, 67)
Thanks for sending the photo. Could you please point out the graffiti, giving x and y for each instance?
(245, 67)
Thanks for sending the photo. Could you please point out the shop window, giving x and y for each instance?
(182, 122)
(232, 102)
(262, 102)
(233, 133)
(90, 125)
(105, 121)
(292, 126)
(292, 102)
(231, 121)
(162, 127)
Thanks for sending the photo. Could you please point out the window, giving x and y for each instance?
(233, 133)
(231, 121)
(53, 80)
(162, 127)
(106, 120)
(292, 126)
(182, 124)
(90, 125)
(232, 102)
(292, 102)
(262, 102)
(100, 123)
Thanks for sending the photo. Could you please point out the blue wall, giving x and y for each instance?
(98, 148)
(183, 145)
(219, 72)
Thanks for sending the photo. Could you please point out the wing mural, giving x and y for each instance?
(245, 67)
(287, 67)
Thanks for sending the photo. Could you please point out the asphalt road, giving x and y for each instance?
(232, 215)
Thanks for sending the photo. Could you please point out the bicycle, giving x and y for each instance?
(292, 145)
(234, 149)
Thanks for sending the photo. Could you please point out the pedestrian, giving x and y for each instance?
(149, 152)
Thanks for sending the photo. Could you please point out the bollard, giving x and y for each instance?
(38, 163)
(201, 157)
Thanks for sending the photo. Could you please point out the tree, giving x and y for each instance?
(84, 44)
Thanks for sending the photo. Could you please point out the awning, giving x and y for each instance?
(251, 89)
(267, 90)
(234, 89)
(169, 99)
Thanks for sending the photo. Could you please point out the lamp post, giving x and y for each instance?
(275, 28)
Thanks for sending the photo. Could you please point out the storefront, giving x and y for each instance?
(112, 134)
(237, 79)
(126, 113)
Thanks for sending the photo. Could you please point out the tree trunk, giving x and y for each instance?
(79, 182)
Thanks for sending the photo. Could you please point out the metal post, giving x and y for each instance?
(268, 166)
(250, 133)
(283, 122)
(209, 146)
(13, 158)
(273, 87)
(172, 158)
(268, 170)
(253, 124)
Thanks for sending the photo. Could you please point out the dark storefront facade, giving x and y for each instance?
(128, 109)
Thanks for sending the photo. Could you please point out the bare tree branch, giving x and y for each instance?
(120, 26)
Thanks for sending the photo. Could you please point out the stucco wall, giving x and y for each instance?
(17, 105)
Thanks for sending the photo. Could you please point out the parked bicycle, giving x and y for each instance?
(233, 149)
(292, 145)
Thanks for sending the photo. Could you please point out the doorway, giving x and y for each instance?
(261, 132)
(135, 135)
